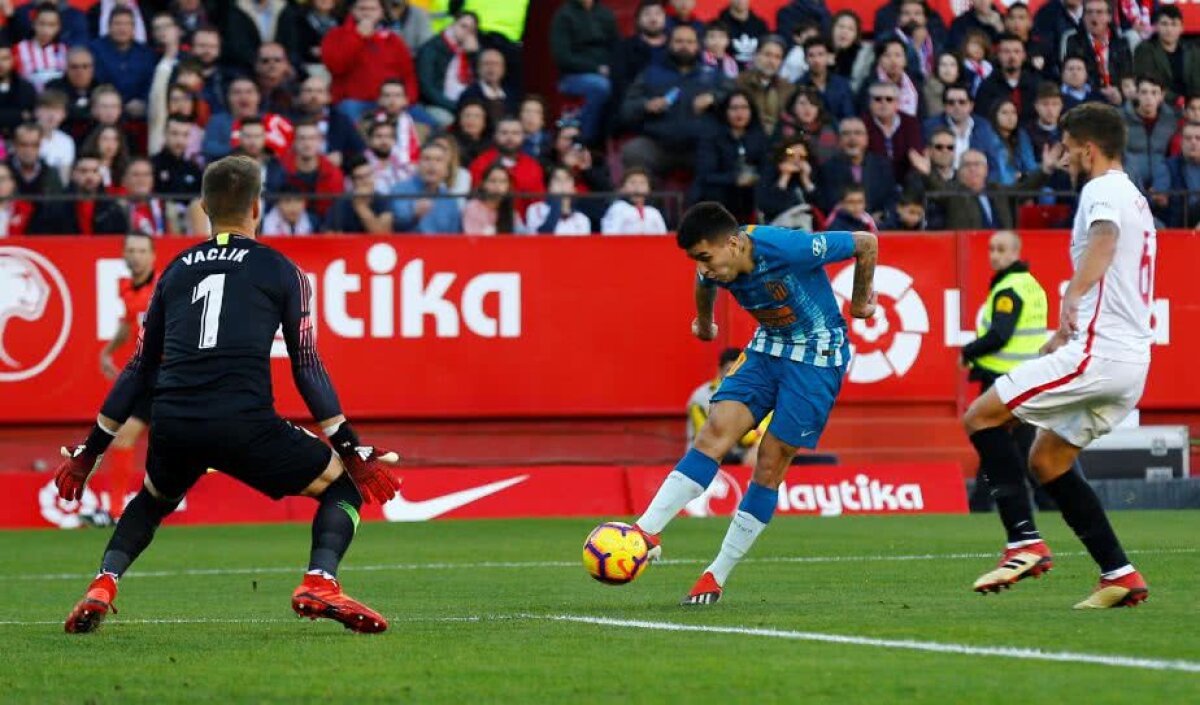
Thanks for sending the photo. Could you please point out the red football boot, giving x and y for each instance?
(94, 607)
(319, 596)
(1125, 591)
(704, 592)
(653, 542)
(1016, 564)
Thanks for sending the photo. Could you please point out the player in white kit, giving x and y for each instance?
(1091, 375)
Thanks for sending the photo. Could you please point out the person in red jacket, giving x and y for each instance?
(525, 171)
(308, 171)
(362, 54)
(14, 213)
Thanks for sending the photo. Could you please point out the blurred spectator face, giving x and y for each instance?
(243, 98)
(368, 11)
(434, 166)
(683, 48)
(684, 8)
(716, 41)
(818, 59)
(272, 65)
(845, 32)
(740, 6)
(1191, 143)
(166, 31)
(796, 154)
(912, 14)
(8, 185)
(738, 112)
(509, 136)
(291, 207)
(1049, 109)
(1097, 17)
(382, 140)
(85, 175)
(26, 143)
(768, 59)
(973, 171)
(652, 21)
(1012, 56)
(307, 142)
(1192, 110)
(941, 152)
(912, 215)
(108, 144)
(852, 137)
(6, 62)
(463, 29)
(81, 69)
(50, 117)
(1129, 89)
(533, 117)
(1006, 117)
(46, 27)
(974, 48)
(472, 120)
(893, 61)
(561, 183)
(206, 46)
(180, 101)
(178, 135)
(855, 203)
(1169, 29)
(636, 187)
(496, 184)
(139, 178)
(1149, 99)
(362, 180)
(883, 103)
(959, 105)
(120, 29)
(1017, 21)
(1074, 73)
(106, 108)
(491, 67)
(565, 140)
(254, 140)
(807, 112)
(393, 98)
(314, 95)
(948, 69)
(189, 79)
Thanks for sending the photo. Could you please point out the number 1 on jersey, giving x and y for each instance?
(212, 290)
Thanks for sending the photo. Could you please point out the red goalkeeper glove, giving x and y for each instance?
(79, 463)
(367, 465)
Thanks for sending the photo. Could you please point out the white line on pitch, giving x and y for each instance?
(903, 644)
(523, 565)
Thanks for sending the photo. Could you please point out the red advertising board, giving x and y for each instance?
(30, 500)
(453, 327)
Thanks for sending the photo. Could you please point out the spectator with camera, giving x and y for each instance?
(788, 189)
(729, 161)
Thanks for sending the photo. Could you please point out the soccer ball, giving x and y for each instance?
(615, 553)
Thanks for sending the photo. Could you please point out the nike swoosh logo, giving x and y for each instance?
(805, 434)
(401, 509)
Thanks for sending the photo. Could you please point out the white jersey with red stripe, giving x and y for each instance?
(40, 64)
(1114, 316)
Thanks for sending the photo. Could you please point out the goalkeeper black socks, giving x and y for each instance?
(334, 525)
(1001, 467)
(134, 531)
(1081, 509)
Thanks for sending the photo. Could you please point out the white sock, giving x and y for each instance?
(1022, 544)
(676, 491)
(1118, 573)
(743, 531)
(323, 574)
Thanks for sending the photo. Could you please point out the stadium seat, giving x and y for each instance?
(1041, 216)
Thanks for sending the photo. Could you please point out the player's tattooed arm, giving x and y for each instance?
(1102, 245)
(866, 253)
(703, 327)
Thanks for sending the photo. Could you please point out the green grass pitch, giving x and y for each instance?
(205, 618)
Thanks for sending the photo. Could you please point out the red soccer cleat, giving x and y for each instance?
(319, 596)
(1016, 564)
(1125, 591)
(93, 608)
(653, 543)
(706, 591)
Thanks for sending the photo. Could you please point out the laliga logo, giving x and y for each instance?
(66, 514)
(720, 499)
(907, 316)
(24, 294)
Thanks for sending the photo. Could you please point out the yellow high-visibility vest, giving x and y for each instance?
(1030, 333)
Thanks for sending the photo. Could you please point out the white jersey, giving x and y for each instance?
(1114, 316)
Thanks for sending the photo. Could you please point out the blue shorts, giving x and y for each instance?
(801, 395)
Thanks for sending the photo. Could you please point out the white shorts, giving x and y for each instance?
(1076, 396)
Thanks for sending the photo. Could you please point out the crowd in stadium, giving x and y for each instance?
(367, 120)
